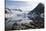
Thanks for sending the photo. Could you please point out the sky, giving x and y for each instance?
(24, 5)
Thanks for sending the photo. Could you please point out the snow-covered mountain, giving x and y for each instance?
(16, 17)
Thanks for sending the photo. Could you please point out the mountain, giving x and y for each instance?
(37, 12)
(17, 19)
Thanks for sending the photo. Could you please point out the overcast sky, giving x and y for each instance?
(25, 5)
